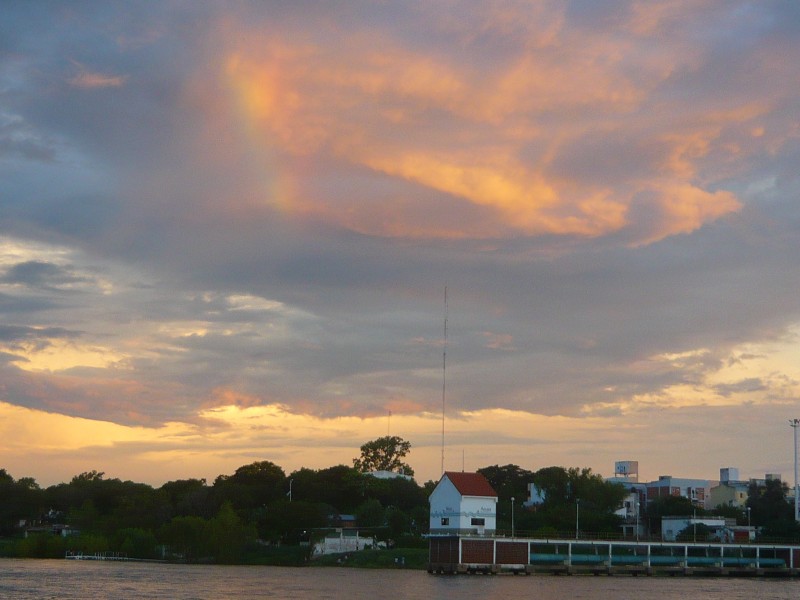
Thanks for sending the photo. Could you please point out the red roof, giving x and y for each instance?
(471, 484)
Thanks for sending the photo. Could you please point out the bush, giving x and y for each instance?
(411, 541)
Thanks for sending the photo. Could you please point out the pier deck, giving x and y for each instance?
(492, 555)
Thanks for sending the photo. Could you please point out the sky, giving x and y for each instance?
(234, 231)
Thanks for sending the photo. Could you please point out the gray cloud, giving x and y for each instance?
(38, 274)
(148, 176)
(17, 333)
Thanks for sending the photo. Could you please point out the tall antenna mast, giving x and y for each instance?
(444, 370)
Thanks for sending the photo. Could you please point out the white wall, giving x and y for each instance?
(446, 502)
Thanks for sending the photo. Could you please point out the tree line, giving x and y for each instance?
(259, 513)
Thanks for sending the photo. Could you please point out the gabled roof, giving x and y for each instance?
(471, 484)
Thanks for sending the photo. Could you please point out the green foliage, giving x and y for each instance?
(410, 541)
(731, 512)
(285, 522)
(252, 486)
(243, 517)
(188, 497)
(699, 532)
(370, 514)
(41, 545)
(384, 454)
(135, 543)
(227, 536)
(561, 488)
(397, 491)
(768, 503)
(508, 481)
(341, 487)
(397, 521)
(19, 500)
(772, 511)
(186, 537)
(668, 506)
(283, 556)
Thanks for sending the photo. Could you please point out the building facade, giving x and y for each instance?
(696, 490)
(463, 503)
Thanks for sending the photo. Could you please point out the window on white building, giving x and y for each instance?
(445, 521)
(480, 522)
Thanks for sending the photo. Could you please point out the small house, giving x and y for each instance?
(463, 503)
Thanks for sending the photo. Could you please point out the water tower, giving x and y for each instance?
(627, 469)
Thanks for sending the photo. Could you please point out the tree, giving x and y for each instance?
(186, 537)
(19, 500)
(287, 522)
(135, 542)
(699, 532)
(669, 506)
(772, 511)
(227, 536)
(189, 497)
(508, 481)
(342, 487)
(384, 454)
(370, 514)
(252, 486)
(768, 503)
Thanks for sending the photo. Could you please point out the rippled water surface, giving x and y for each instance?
(68, 580)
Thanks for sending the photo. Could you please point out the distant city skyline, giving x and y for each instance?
(226, 230)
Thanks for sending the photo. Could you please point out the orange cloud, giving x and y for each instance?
(682, 208)
(459, 136)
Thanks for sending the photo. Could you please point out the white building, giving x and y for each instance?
(390, 475)
(672, 526)
(463, 503)
(343, 540)
(720, 529)
(536, 496)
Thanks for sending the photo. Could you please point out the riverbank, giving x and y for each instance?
(397, 558)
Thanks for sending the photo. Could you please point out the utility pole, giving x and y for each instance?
(512, 517)
(577, 516)
(444, 371)
(794, 424)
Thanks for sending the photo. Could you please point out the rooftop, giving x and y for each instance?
(471, 484)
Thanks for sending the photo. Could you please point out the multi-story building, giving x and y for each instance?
(731, 491)
(696, 490)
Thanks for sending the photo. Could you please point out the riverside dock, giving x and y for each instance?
(492, 555)
(114, 556)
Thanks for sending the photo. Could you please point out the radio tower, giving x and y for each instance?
(444, 371)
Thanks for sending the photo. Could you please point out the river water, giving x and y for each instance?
(73, 580)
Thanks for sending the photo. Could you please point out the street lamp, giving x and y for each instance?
(636, 505)
(694, 525)
(512, 516)
(748, 519)
(794, 424)
(577, 516)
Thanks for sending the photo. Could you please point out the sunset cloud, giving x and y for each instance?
(226, 230)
